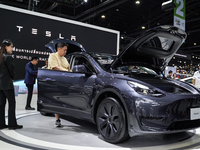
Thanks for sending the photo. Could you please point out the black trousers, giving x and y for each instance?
(10, 95)
(30, 93)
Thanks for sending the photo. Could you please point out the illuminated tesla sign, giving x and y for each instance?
(31, 31)
(48, 33)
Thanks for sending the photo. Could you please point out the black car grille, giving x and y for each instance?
(182, 125)
(174, 116)
(180, 109)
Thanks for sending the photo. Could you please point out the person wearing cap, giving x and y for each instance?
(57, 61)
(196, 78)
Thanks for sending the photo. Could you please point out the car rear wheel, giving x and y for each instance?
(111, 121)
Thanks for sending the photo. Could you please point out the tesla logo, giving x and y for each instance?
(73, 38)
(19, 27)
(34, 31)
(60, 36)
(47, 33)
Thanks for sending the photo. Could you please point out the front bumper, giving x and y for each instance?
(163, 116)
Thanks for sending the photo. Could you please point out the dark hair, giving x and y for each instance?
(3, 51)
(170, 72)
(61, 45)
(34, 58)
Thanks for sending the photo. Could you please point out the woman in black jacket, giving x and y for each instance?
(6, 86)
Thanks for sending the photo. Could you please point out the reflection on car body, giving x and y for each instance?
(120, 99)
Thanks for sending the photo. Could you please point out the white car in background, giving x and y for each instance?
(188, 80)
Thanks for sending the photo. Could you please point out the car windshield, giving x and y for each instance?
(105, 60)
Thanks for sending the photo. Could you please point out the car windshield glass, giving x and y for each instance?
(134, 69)
(159, 43)
(105, 60)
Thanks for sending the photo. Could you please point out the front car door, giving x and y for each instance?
(68, 93)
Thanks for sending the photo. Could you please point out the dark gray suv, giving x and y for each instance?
(123, 95)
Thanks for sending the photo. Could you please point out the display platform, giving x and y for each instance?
(40, 133)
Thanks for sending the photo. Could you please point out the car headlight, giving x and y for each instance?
(144, 90)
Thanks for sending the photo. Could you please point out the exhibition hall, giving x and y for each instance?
(99, 74)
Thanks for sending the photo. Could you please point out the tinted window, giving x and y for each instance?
(83, 61)
(104, 60)
(159, 42)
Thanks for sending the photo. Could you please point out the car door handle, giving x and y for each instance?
(45, 78)
(48, 79)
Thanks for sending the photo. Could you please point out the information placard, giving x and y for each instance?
(179, 14)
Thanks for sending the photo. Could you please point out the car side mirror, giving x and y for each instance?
(81, 69)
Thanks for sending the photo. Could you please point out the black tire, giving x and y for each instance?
(46, 114)
(111, 121)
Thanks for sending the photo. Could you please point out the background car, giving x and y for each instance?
(188, 80)
(123, 95)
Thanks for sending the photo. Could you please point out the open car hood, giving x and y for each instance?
(154, 49)
(73, 46)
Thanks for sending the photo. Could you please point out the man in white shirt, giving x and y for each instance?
(196, 79)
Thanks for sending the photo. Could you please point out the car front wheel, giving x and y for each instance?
(111, 121)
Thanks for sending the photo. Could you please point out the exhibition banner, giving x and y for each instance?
(179, 14)
(30, 31)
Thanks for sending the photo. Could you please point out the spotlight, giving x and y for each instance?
(137, 2)
(85, 1)
(103, 16)
(143, 27)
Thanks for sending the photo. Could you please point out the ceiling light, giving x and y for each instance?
(122, 37)
(195, 43)
(137, 2)
(117, 9)
(103, 16)
(143, 27)
(85, 1)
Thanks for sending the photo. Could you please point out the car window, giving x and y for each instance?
(104, 60)
(68, 57)
(159, 43)
(134, 69)
(189, 81)
(83, 61)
